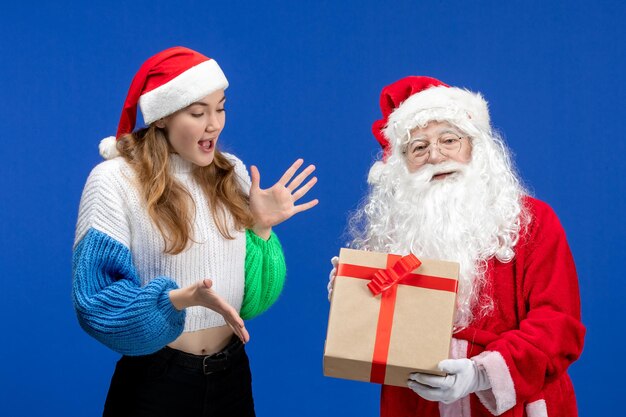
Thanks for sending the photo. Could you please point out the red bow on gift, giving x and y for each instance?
(386, 278)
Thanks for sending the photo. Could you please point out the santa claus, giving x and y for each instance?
(446, 189)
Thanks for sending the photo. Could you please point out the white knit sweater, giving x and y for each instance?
(112, 204)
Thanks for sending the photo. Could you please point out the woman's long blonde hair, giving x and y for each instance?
(169, 203)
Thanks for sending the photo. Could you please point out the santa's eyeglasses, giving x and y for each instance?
(418, 151)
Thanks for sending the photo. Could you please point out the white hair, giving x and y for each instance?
(469, 218)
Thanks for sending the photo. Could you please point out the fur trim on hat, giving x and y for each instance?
(192, 85)
(437, 103)
(108, 148)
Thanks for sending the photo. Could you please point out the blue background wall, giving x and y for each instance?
(305, 78)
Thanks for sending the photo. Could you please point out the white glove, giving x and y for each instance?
(332, 275)
(464, 377)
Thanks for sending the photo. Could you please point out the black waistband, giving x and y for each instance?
(207, 364)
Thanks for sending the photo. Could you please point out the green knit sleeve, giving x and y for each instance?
(265, 274)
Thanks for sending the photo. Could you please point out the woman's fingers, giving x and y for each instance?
(237, 325)
(216, 303)
(255, 176)
(301, 177)
(244, 335)
(305, 189)
(306, 206)
(290, 171)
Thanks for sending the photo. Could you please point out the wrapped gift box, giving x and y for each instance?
(386, 322)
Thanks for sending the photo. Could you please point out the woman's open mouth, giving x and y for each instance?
(206, 145)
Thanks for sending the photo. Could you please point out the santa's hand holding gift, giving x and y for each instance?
(446, 189)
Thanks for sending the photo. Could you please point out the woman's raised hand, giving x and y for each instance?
(276, 204)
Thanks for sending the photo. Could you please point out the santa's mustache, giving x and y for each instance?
(430, 174)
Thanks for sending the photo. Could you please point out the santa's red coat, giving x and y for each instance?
(527, 343)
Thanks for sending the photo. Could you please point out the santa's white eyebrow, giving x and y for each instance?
(438, 133)
(450, 130)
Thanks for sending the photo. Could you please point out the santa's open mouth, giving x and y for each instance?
(442, 175)
(206, 145)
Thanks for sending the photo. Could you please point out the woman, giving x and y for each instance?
(174, 247)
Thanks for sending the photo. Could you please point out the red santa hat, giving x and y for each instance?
(167, 82)
(414, 101)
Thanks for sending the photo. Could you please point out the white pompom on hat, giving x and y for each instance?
(108, 148)
(166, 82)
(413, 101)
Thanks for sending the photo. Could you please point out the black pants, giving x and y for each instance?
(173, 383)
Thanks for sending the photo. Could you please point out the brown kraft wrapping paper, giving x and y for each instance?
(421, 328)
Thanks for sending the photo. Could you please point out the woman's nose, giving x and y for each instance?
(213, 123)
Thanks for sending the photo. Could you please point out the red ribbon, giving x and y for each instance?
(387, 278)
(385, 281)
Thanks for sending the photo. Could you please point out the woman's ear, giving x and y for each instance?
(160, 123)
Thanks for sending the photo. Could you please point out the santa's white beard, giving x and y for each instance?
(467, 217)
(447, 219)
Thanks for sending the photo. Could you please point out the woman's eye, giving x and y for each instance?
(221, 110)
(197, 114)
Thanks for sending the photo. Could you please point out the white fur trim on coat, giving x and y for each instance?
(190, 86)
(460, 407)
(501, 396)
(537, 409)
(440, 103)
(108, 148)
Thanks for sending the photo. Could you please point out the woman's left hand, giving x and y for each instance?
(274, 205)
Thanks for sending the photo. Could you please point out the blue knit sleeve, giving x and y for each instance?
(111, 304)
